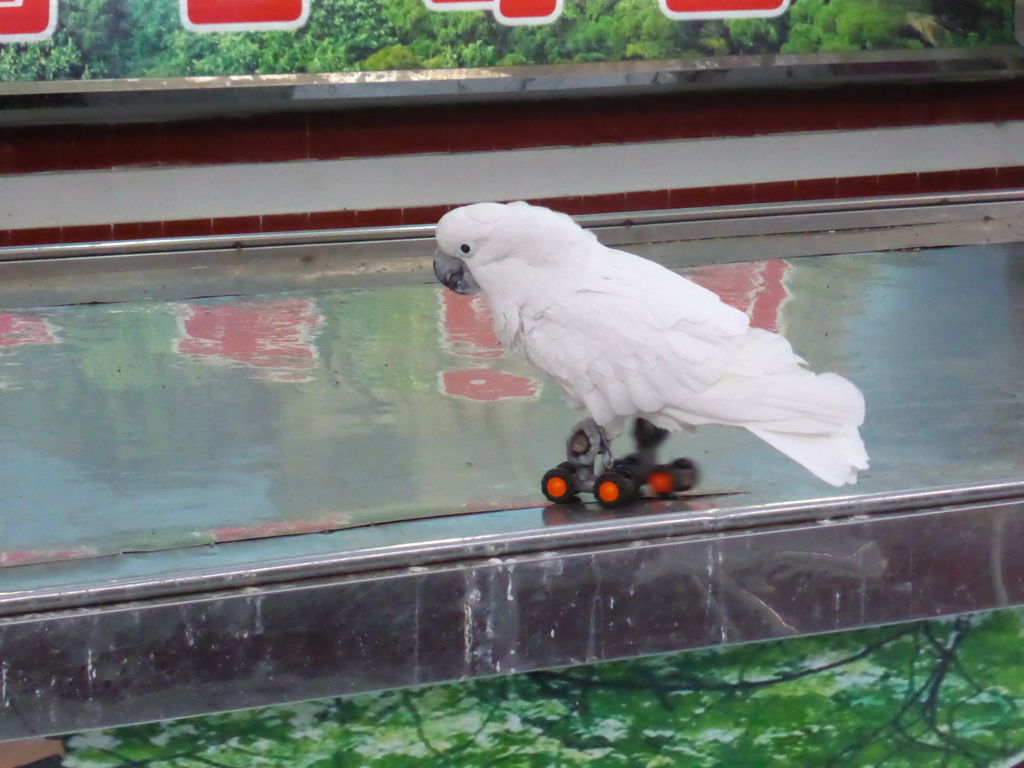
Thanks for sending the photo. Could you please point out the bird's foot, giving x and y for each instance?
(588, 443)
(662, 479)
(648, 438)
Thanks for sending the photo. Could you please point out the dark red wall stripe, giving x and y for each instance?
(474, 127)
(737, 194)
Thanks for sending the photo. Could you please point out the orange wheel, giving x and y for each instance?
(609, 492)
(556, 487)
(559, 485)
(661, 482)
(613, 489)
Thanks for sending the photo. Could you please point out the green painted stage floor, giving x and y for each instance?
(941, 693)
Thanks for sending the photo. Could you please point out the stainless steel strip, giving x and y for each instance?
(102, 666)
(631, 526)
(402, 255)
(26, 103)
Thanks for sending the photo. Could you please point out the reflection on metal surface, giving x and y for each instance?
(191, 451)
(486, 384)
(18, 329)
(199, 435)
(757, 288)
(466, 325)
(271, 337)
(155, 379)
(578, 513)
(466, 332)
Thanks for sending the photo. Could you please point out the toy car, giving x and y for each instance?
(624, 481)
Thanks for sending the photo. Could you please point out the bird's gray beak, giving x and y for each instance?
(454, 274)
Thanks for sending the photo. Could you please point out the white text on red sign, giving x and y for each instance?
(33, 20)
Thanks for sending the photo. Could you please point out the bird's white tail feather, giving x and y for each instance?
(820, 432)
(812, 418)
(835, 457)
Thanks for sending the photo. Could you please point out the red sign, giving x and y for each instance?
(517, 12)
(722, 9)
(242, 15)
(511, 12)
(29, 20)
(23, 21)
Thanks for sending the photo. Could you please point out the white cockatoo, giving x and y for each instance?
(625, 337)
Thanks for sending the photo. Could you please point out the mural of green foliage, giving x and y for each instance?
(942, 693)
(145, 38)
(846, 25)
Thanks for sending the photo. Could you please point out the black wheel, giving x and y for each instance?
(614, 489)
(559, 484)
(628, 467)
(685, 474)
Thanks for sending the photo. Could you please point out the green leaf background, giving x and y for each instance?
(144, 38)
(940, 693)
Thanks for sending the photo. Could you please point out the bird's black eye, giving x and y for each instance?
(464, 248)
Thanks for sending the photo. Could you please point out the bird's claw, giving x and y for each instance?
(587, 443)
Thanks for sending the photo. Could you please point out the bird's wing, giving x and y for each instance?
(632, 337)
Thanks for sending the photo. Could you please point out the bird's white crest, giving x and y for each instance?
(625, 337)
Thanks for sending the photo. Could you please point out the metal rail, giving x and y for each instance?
(584, 527)
(29, 103)
(178, 268)
(128, 662)
(855, 212)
